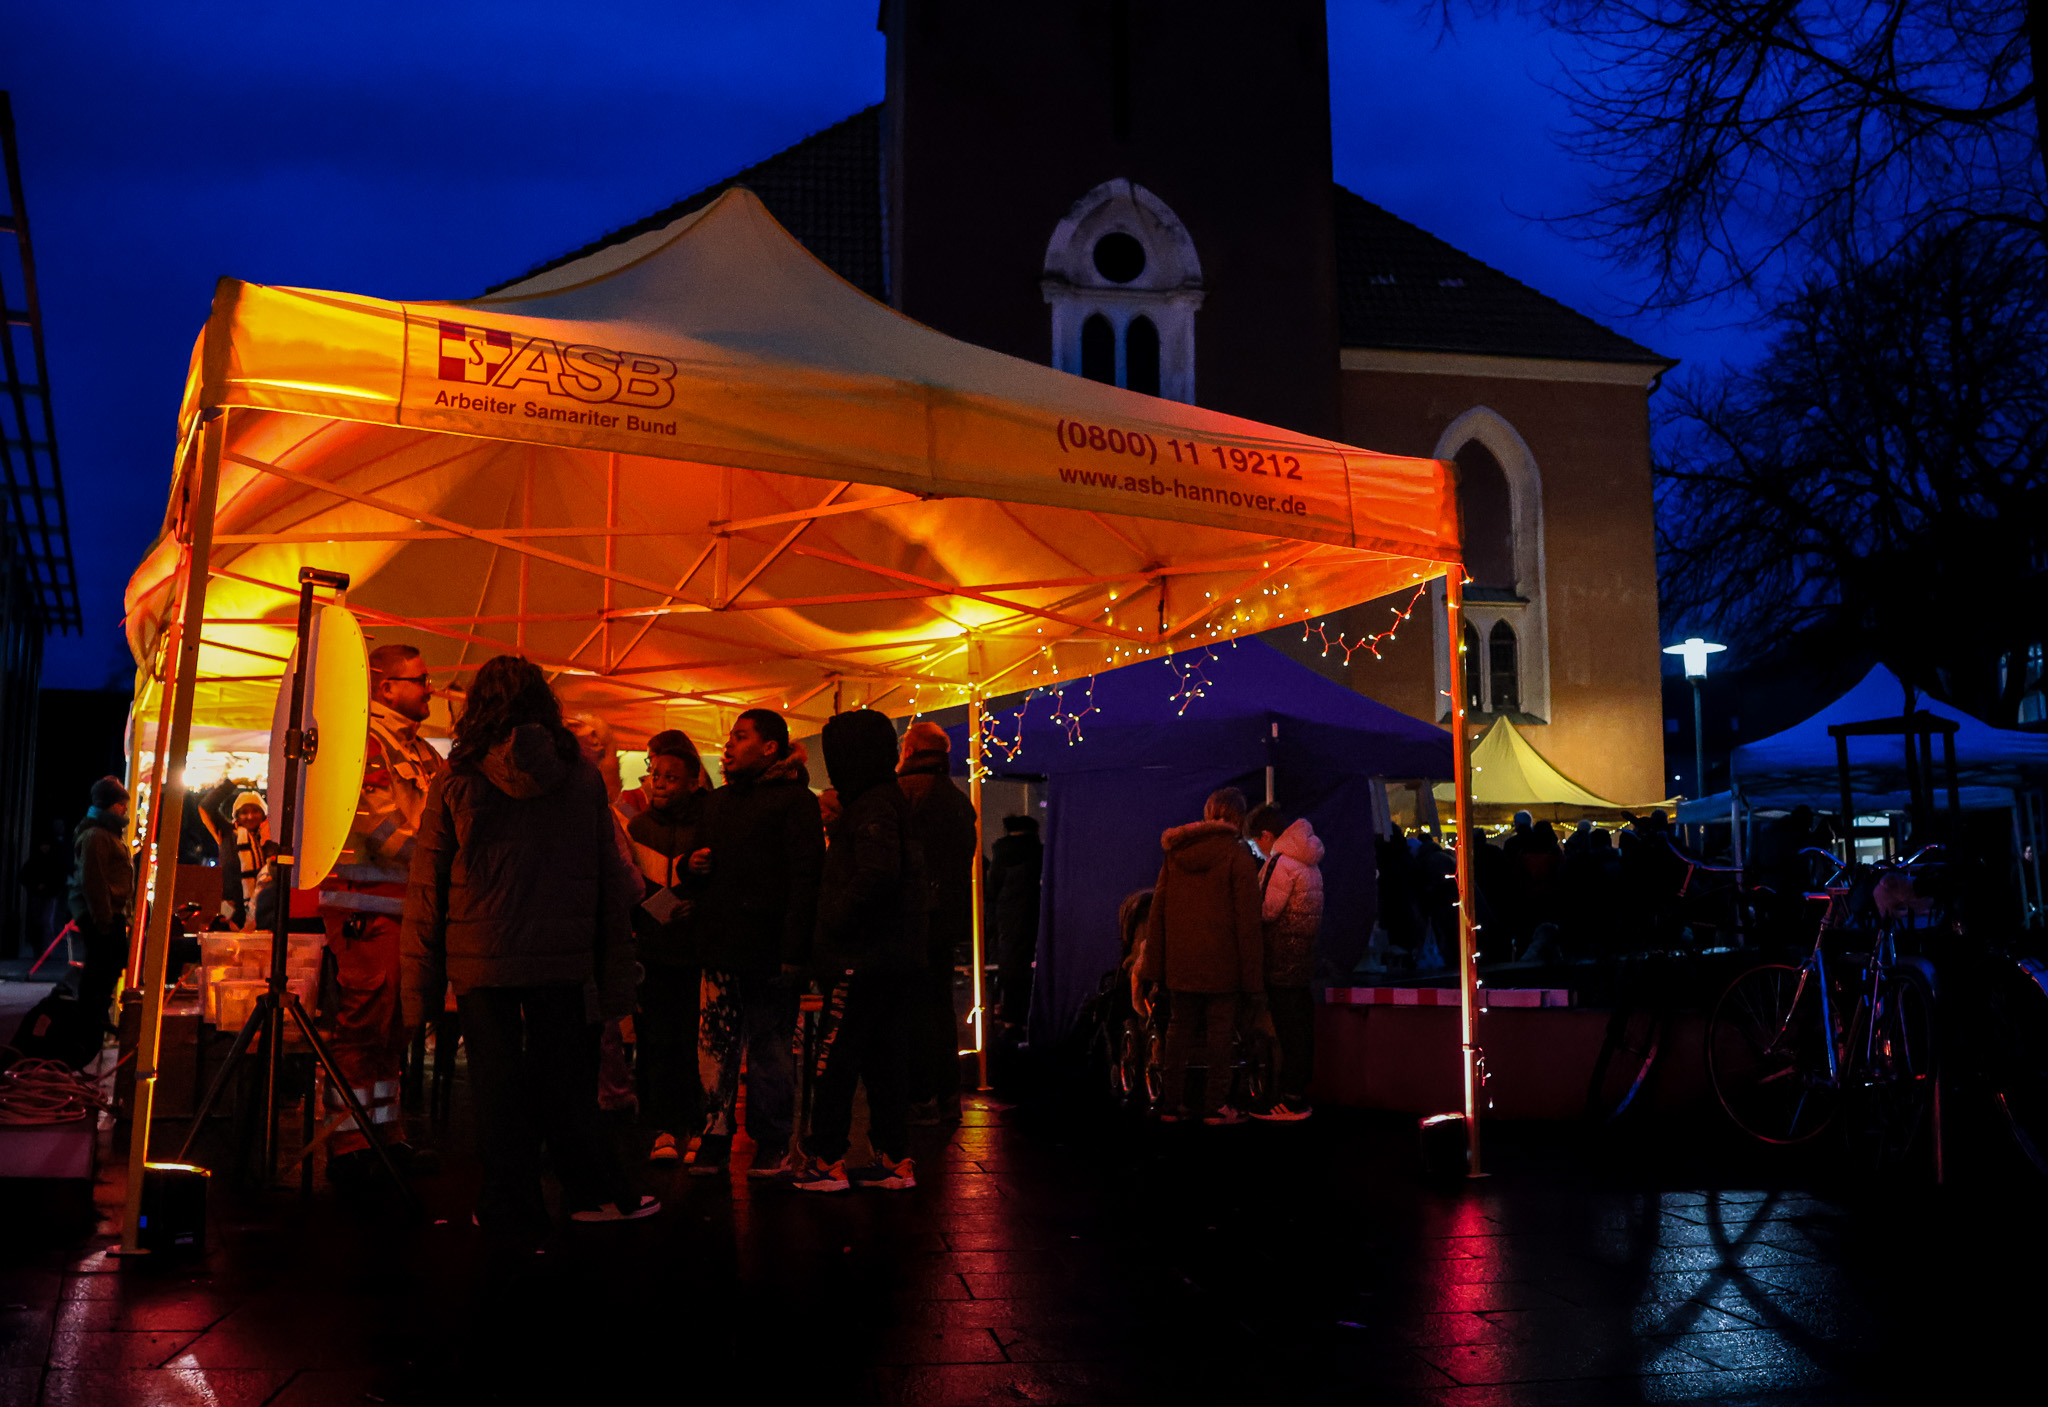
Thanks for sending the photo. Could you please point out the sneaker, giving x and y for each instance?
(613, 1211)
(894, 1177)
(1283, 1111)
(925, 1114)
(1172, 1116)
(817, 1175)
(766, 1167)
(1224, 1115)
(713, 1158)
(664, 1149)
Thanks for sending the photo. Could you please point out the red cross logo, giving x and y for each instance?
(472, 354)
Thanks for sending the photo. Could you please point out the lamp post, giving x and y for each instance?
(1695, 651)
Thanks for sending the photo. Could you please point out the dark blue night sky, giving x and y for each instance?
(426, 150)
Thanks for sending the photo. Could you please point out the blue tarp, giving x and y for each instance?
(1160, 737)
(1799, 765)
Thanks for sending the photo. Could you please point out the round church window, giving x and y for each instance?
(1119, 257)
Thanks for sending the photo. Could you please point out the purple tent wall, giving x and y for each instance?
(1102, 842)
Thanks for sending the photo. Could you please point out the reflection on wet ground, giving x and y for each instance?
(1049, 1257)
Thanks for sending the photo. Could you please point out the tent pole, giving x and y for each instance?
(978, 936)
(1468, 931)
(170, 811)
(140, 837)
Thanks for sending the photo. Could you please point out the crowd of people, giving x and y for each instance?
(557, 906)
(1593, 894)
(517, 893)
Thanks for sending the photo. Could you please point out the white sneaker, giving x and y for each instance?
(1224, 1115)
(1284, 1113)
(664, 1149)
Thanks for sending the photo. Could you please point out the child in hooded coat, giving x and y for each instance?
(1291, 910)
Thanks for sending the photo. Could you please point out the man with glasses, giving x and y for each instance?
(362, 901)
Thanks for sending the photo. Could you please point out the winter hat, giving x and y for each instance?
(860, 752)
(248, 798)
(108, 792)
(926, 736)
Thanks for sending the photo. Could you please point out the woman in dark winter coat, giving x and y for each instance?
(519, 898)
(873, 903)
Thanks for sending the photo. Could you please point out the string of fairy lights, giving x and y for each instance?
(1004, 734)
(1370, 643)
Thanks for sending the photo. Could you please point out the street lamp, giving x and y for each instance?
(1695, 651)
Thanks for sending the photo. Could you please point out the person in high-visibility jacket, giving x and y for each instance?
(362, 900)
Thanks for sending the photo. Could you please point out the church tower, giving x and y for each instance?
(1134, 190)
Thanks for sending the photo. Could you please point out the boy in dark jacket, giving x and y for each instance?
(872, 915)
(763, 845)
(664, 836)
(1203, 940)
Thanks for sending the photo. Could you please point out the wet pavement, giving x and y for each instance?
(1056, 1252)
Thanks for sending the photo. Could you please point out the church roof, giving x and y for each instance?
(826, 191)
(1398, 286)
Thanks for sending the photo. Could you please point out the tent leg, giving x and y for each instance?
(140, 837)
(170, 815)
(979, 1014)
(1468, 931)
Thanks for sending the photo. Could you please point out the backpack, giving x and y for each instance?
(59, 1028)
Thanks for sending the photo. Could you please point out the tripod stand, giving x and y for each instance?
(278, 1003)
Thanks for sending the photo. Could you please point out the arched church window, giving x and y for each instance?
(1500, 512)
(1098, 350)
(1502, 667)
(1141, 356)
(1121, 261)
(1487, 517)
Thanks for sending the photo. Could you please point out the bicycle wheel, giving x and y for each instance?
(1635, 1035)
(2016, 1055)
(1103, 1060)
(1895, 1088)
(1130, 1064)
(1155, 1069)
(1767, 1055)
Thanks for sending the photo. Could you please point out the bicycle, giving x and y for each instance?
(1790, 1047)
(1652, 988)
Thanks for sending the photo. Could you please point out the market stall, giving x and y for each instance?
(1509, 775)
(1128, 753)
(696, 472)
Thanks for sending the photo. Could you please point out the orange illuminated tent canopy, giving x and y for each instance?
(696, 472)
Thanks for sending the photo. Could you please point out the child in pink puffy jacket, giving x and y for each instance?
(1291, 907)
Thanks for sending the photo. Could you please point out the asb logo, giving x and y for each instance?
(481, 356)
(472, 354)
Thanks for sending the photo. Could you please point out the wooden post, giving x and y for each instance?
(1468, 929)
(170, 811)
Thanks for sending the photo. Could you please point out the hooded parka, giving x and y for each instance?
(517, 881)
(1291, 903)
(1203, 932)
(874, 899)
